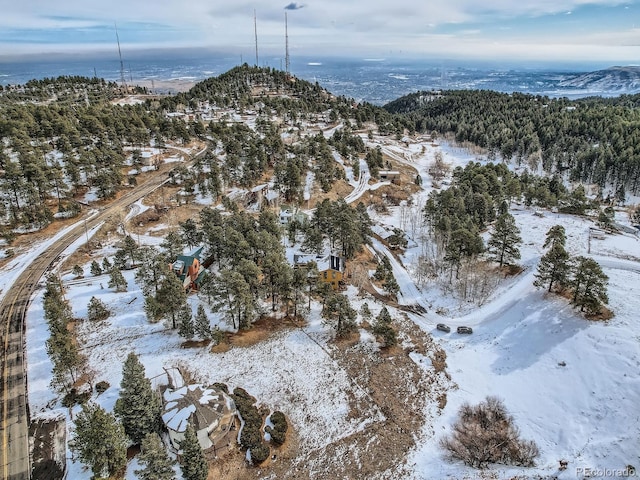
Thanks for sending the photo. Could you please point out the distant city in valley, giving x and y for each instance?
(374, 80)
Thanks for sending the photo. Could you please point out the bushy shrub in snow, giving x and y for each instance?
(259, 453)
(251, 435)
(279, 430)
(485, 433)
(97, 310)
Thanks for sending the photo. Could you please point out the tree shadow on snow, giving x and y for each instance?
(531, 328)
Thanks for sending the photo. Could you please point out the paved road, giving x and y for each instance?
(14, 407)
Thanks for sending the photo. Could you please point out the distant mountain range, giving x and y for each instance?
(610, 80)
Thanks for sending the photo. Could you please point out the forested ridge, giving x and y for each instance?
(65, 136)
(594, 140)
(61, 137)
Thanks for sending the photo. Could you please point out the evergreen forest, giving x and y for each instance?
(591, 140)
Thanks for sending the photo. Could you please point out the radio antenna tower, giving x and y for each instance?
(122, 80)
(286, 43)
(255, 31)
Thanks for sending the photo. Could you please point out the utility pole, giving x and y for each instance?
(122, 80)
(286, 44)
(255, 31)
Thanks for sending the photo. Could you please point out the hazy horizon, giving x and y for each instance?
(269, 59)
(494, 30)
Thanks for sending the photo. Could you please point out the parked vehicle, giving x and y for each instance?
(443, 328)
(465, 330)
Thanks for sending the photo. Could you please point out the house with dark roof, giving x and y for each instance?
(331, 268)
(189, 269)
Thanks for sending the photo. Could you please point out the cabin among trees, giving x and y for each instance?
(331, 269)
(287, 216)
(189, 270)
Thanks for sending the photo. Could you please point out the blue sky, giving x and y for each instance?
(544, 30)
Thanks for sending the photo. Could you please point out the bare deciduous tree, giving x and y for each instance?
(485, 433)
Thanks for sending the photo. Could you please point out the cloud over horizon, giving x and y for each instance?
(462, 28)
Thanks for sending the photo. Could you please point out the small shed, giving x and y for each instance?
(392, 176)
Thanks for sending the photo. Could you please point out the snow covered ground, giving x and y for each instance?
(572, 385)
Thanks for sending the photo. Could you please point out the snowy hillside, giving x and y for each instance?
(571, 384)
(611, 80)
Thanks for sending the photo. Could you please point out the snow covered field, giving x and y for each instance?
(572, 385)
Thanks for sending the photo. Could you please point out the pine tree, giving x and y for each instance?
(606, 218)
(382, 328)
(97, 310)
(338, 312)
(232, 295)
(464, 244)
(555, 235)
(191, 235)
(78, 271)
(186, 328)
(589, 285)
(68, 362)
(130, 247)
(171, 298)
(153, 456)
(382, 269)
(365, 312)
(106, 265)
(390, 284)
(120, 259)
(502, 245)
(117, 280)
(153, 268)
(100, 442)
(95, 268)
(277, 276)
(384, 316)
(194, 465)
(298, 284)
(172, 245)
(201, 325)
(138, 406)
(553, 268)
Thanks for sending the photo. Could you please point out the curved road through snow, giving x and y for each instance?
(14, 408)
(410, 294)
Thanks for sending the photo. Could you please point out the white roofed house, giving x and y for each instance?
(287, 215)
(209, 410)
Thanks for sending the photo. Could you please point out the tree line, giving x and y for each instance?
(592, 140)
